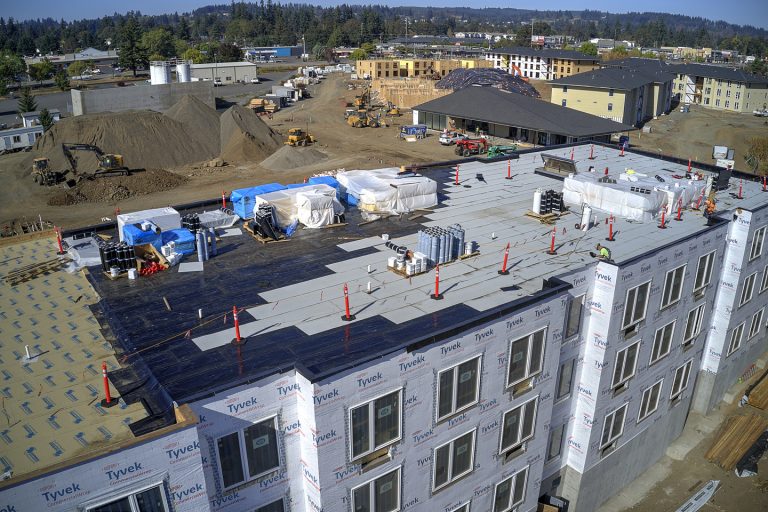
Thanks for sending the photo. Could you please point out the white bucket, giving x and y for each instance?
(132, 273)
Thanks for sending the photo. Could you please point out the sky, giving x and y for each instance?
(752, 12)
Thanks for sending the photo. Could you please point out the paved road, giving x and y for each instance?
(239, 93)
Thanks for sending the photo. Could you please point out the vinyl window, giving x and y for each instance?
(704, 271)
(662, 341)
(755, 324)
(734, 342)
(749, 288)
(649, 401)
(375, 424)
(510, 492)
(757, 243)
(275, 506)
(565, 379)
(555, 446)
(613, 426)
(680, 381)
(517, 425)
(636, 305)
(573, 320)
(458, 388)
(673, 286)
(453, 460)
(464, 507)
(151, 499)
(378, 495)
(693, 323)
(248, 453)
(626, 363)
(526, 357)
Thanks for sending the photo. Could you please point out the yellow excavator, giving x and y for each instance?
(109, 163)
(361, 119)
(299, 137)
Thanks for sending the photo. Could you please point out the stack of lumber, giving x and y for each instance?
(734, 440)
(758, 397)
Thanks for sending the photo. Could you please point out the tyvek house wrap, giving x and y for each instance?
(173, 461)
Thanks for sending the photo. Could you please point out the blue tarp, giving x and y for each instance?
(133, 235)
(183, 238)
(244, 199)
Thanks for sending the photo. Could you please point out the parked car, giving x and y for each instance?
(451, 138)
(255, 80)
(217, 82)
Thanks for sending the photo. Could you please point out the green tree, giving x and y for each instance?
(27, 101)
(11, 67)
(77, 68)
(158, 41)
(358, 54)
(588, 48)
(194, 55)
(132, 54)
(229, 53)
(758, 67)
(41, 71)
(62, 81)
(182, 30)
(46, 119)
(318, 52)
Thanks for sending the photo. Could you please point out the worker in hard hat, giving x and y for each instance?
(709, 208)
(603, 253)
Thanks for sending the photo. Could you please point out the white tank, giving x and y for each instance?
(537, 202)
(159, 72)
(183, 73)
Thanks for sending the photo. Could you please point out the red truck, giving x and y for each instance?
(469, 147)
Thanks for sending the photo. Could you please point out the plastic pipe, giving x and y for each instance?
(504, 270)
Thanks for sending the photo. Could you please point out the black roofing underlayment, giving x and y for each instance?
(461, 78)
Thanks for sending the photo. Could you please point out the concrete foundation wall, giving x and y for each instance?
(139, 97)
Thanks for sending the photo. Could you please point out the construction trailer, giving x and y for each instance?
(17, 139)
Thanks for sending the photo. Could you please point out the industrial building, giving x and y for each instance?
(513, 116)
(545, 64)
(625, 95)
(481, 388)
(268, 53)
(226, 72)
(414, 68)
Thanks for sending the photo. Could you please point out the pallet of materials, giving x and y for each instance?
(261, 239)
(734, 440)
(758, 397)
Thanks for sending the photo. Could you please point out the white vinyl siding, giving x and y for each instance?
(458, 388)
(375, 424)
(526, 356)
(636, 305)
(673, 287)
(454, 460)
(662, 341)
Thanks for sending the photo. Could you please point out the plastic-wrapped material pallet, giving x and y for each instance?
(305, 201)
(183, 239)
(381, 190)
(164, 218)
(326, 180)
(134, 235)
(244, 199)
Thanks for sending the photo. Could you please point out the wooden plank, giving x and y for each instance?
(736, 437)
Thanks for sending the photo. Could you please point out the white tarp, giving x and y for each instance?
(302, 204)
(381, 190)
(164, 218)
(218, 218)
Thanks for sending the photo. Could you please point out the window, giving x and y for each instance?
(680, 381)
(727, 103)
(662, 341)
(717, 103)
(228, 78)
(718, 92)
(555, 446)
(625, 365)
(749, 287)
(458, 388)
(704, 271)
(650, 401)
(610, 92)
(708, 91)
(573, 320)
(150, 499)
(510, 492)
(693, 324)
(526, 356)
(738, 95)
(757, 243)
(736, 106)
(636, 304)
(454, 460)
(379, 495)
(517, 426)
(563, 103)
(755, 324)
(764, 283)
(464, 507)
(673, 287)
(565, 379)
(259, 445)
(17, 139)
(613, 427)
(375, 424)
(735, 340)
(727, 94)
(275, 506)
(610, 107)
(706, 101)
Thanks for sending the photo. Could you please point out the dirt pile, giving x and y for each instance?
(287, 158)
(200, 122)
(245, 137)
(117, 188)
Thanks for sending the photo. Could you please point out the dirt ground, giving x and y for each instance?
(692, 135)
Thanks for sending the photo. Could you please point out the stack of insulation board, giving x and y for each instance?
(758, 397)
(734, 440)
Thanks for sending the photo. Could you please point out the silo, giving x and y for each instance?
(183, 73)
(159, 72)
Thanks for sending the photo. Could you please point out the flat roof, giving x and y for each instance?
(550, 53)
(51, 403)
(492, 105)
(617, 78)
(222, 65)
(292, 292)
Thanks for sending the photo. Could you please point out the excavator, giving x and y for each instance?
(109, 163)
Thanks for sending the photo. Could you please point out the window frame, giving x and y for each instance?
(511, 504)
(632, 323)
(735, 339)
(759, 233)
(455, 388)
(372, 489)
(669, 279)
(130, 493)
(611, 415)
(764, 281)
(550, 442)
(451, 477)
(625, 376)
(754, 326)
(581, 299)
(244, 454)
(659, 354)
(520, 440)
(529, 352)
(709, 260)
(461, 508)
(698, 320)
(686, 368)
(559, 384)
(749, 284)
(649, 392)
(263, 507)
(372, 425)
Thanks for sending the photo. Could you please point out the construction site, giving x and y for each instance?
(354, 300)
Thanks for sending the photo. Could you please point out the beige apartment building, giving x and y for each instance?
(720, 87)
(547, 64)
(415, 68)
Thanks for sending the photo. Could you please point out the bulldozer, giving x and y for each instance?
(299, 137)
(361, 119)
(393, 110)
(43, 175)
(109, 163)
